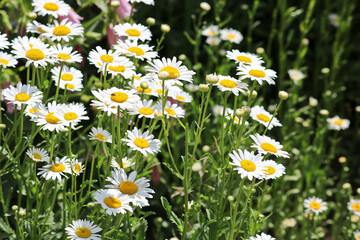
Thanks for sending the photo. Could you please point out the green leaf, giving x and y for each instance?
(4, 20)
(173, 170)
(172, 216)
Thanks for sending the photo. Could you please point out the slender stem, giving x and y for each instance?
(58, 83)
(52, 146)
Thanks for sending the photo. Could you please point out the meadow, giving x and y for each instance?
(165, 119)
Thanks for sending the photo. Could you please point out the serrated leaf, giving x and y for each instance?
(172, 216)
(173, 170)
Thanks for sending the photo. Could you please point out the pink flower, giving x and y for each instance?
(72, 16)
(124, 9)
(111, 35)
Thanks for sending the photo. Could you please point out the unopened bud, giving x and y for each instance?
(358, 190)
(313, 102)
(98, 84)
(231, 198)
(203, 88)
(144, 85)
(283, 95)
(305, 124)
(32, 15)
(260, 50)
(325, 70)
(22, 212)
(205, 6)
(357, 108)
(244, 6)
(355, 218)
(324, 112)
(150, 21)
(240, 112)
(165, 28)
(182, 57)
(346, 185)
(196, 167)
(14, 207)
(305, 41)
(253, 94)
(158, 115)
(212, 78)
(299, 120)
(115, 4)
(163, 75)
(342, 159)
(247, 110)
(2, 126)
(206, 148)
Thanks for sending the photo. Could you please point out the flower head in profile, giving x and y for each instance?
(142, 142)
(38, 154)
(272, 169)
(56, 170)
(296, 75)
(122, 66)
(7, 60)
(266, 145)
(256, 73)
(231, 35)
(334, 19)
(259, 114)
(243, 57)
(210, 31)
(126, 163)
(337, 123)
(83, 229)
(54, 8)
(315, 205)
(22, 94)
(143, 108)
(35, 27)
(100, 134)
(76, 167)
(247, 164)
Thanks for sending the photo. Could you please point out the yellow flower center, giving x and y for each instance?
(41, 30)
(35, 54)
(170, 111)
(22, 97)
(257, 73)
(315, 205)
(100, 136)
(356, 207)
(77, 168)
(338, 122)
(70, 116)
(358, 237)
(263, 117)
(51, 7)
(141, 143)
(211, 33)
(140, 89)
(248, 165)
(4, 61)
(118, 68)
(36, 156)
(180, 98)
(160, 92)
(146, 111)
(173, 72)
(138, 51)
(128, 187)
(61, 30)
(33, 110)
(107, 58)
(50, 118)
(119, 97)
(83, 232)
(244, 59)
(268, 147)
(67, 77)
(63, 56)
(57, 167)
(136, 78)
(228, 83)
(69, 85)
(133, 32)
(269, 171)
(230, 36)
(112, 202)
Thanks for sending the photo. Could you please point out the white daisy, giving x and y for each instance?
(72, 114)
(210, 31)
(337, 123)
(180, 96)
(262, 236)
(158, 87)
(66, 54)
(256, 73)
(33, 50)
(68, 74)
(176, 70)
(142, 142)
(56, 170)
(296, 75)
(171, 110)
(266, 145)
(76, 167)
(272, 169)
(101, 58)
(126, 163)
(148, 2)
(243, 57)
(191, 87)
(227, 83)
(315, 205)
(22, 94)
(100, 134)
(354, 206)
(35, 27)
(357, 235)
(143, 109)
(31, 110)
(51, 7)
(259, 114)
(229, 115)
(7, 60)
(65, 30)
(247, 164)
(133, 49)
(218, 110)
(334, 19)
(103, 102)
(133, 31)
(4, 43)
(213, 41)
(74, 85)
(137, 190)
(38, 154)
(121, 98)
(47, 119)
(83, 230)
(122, 66)
(231, 35)
(113, 202)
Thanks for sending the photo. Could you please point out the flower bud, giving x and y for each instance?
(305, 124)
(182, 57)
(346, 185)
(355, 218)
(305, 41)
(324, 112)
(203, 88)
(98, 84)
(260, 50)
(22, 212)
(144, 85)
(231, 198)
(313, 102)
(14, 207)
(247, 110)
(206, 148)
(32, 15)
(163, 75)
(205, 6)
(212, 78)
(2, 126)
(358, 190)
(283, 95)
(196, 167)
(165, 28)
(115, 4)
(254, 93)
(150, 21)
(244, 6)
(325, 70)
(158, 115)
(240, 112)
(342, 159)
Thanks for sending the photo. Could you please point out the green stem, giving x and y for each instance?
(58, 83)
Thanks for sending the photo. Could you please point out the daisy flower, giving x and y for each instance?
(38, 154)
(357, 235)
(171, 110)
(22, 94)
(247, 164)
(100, 134)
(315, 205)
(143, 109)
(210, 31)
(337, 123)
(55, 8)
(74, 85)
(213, 41)
(76, 167)
(66, 54)
(259, 114)
(231, 35)
(133, 31)
(113, 202)
(272, 169)
(7, 60)
(191, 87)
(137, 190)
(227, 83)
(133, 49)
(121, 98)
(243, 57)
(151, 90)
(148, 2)
(266, 145)
(262, 236)
(334, 19)
(256, 73)
(175, 69)
(47, 119)
(218, 110)
(159, 88)
(72, 114)
(103, 102)
(32, 110)
(180, 96)
(354, 206)
(68, 74)
(296, 75)
(56, 170)
(229, 115)
(101, 58)
(142, 142)
(126, 163)
(4, 43)
(35, 27)
(122, 66)
(83, 230)
(65, 30)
